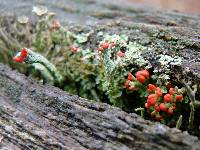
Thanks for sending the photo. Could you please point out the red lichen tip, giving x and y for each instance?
(120, 54)
(18, 59)
(21, 56)
(56, 24)
(24, 53)
(73, 48)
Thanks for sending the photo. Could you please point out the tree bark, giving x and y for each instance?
(36, 116)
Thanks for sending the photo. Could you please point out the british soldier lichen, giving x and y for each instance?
(37, 61)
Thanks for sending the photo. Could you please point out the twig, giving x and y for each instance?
(179, 122)
(191, 94)
(141, 111)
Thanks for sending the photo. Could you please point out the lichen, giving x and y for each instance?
(77, 67)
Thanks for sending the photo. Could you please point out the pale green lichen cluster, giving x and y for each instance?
(166, 60)
(163, 69)
(116, 68)
(134, 55)
(133, 52)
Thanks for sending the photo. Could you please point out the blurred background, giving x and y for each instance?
(188, 6)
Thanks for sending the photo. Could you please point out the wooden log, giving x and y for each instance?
(36, 116)
(172, 33)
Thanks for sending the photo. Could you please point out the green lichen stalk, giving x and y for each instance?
(191, 94)
(179, 122)
(35, 58)
(47, 70)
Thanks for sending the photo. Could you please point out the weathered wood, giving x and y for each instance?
(35, 116)
(171, 32)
